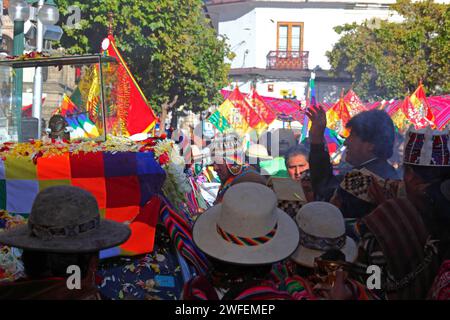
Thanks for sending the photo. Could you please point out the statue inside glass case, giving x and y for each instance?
(58, 128)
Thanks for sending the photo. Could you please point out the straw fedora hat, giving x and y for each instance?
(246, 228)
(258, 151)
(322, 228)
(66, 219)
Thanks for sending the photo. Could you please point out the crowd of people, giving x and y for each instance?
(372, 217)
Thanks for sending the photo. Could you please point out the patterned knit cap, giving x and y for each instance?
(427, 147)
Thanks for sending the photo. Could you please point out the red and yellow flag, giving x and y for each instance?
(399, 117)
(353, 103)
(418, 111)
(140, 117)
(239, 102)
(262, 109)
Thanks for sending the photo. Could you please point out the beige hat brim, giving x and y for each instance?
(259, 156)
(109, 234)
(306, 256)
(281, 246)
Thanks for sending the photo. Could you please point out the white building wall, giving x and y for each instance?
(252, 32)
(238, 26)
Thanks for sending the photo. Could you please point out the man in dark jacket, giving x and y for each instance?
(409, 237)
(369, 145)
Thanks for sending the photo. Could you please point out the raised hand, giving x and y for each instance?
(339, 290)
(318, 123)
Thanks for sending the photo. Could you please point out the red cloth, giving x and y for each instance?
(263, 109)
(250, 115)
(140, 116)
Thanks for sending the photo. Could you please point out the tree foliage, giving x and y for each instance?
(387, 59)
(170, 46)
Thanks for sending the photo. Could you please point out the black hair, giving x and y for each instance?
(39, 264)
(377, 128)
(299, 149)
(333, 255)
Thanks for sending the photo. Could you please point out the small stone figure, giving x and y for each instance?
(58, 128)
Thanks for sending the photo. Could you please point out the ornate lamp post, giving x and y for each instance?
(19, 12)
(48, 14)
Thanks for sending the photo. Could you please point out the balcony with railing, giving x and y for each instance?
(287, 60)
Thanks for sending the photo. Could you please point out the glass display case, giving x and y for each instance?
(78, 98)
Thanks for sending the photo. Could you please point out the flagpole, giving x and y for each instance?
(312, 100)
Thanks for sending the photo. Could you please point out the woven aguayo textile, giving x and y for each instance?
(122, 182)
(405, 242)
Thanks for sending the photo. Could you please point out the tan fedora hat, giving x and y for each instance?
(247, 228)
(258, 151)
(322, 228)
(66, 219)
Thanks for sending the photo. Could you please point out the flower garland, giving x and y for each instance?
(166, 152)
(11, 266)
(176, 184)
(31, 55)
(47, 147)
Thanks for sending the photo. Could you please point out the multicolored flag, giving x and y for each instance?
(418, 111)
(312, 102)
(140, 117)
(338, 116)
(88, 126)
(77, 131)
(333, 141)
(67, 107)
(219, 121)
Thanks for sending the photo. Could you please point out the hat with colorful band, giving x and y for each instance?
(322, 228)
(246, 228)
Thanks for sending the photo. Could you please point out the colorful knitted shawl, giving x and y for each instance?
(407, 247)
(300, 288)
(199, 288)
(179, 226)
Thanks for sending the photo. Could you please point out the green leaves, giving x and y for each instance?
(387, 60)
(168, 44)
